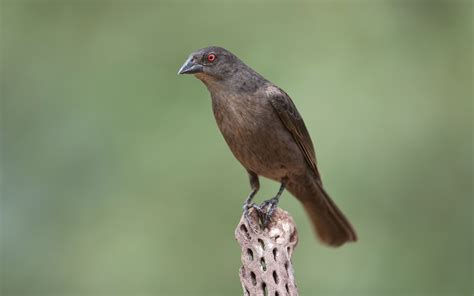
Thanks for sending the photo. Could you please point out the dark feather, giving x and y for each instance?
(292, 120)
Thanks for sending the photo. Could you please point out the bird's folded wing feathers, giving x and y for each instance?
(292, 120)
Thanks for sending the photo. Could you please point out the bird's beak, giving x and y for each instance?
(190, 67)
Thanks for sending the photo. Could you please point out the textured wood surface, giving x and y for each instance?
(266, 255)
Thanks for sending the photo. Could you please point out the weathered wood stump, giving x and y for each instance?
(266, 254)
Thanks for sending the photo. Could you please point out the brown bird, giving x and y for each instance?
(266, 133)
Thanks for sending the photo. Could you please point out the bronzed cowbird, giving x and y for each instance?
(266, 133)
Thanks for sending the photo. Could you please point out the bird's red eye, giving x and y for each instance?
(211, 57)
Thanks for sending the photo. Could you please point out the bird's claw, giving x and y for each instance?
(267, 208)
(264, 211)
(248, 218)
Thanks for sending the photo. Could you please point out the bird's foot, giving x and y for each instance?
(246, 209)
(267, 208)
(264, 211)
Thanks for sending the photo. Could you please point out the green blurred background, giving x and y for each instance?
(116, 180)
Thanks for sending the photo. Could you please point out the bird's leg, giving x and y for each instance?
(272, 204)
(255, 185)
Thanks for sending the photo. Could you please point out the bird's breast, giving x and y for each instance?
(243, 117)
(255, 134)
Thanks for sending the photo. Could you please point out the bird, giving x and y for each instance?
(267, 135)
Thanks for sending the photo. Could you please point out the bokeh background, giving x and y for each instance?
(116, 180)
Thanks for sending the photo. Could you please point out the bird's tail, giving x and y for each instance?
(330, 224)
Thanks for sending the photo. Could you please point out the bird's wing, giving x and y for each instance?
(292, 120)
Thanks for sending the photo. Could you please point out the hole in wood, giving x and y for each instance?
(244, 229)
(263, 264)
(261, 243)
(276, 293)
(274, 254)
(254, 278)
(264, 289)
(250, 254)
(275, 277)
(293, 237)
(287, 289)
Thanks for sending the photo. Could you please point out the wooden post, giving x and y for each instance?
(266, 255)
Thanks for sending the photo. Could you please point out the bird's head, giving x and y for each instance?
(211, 63)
